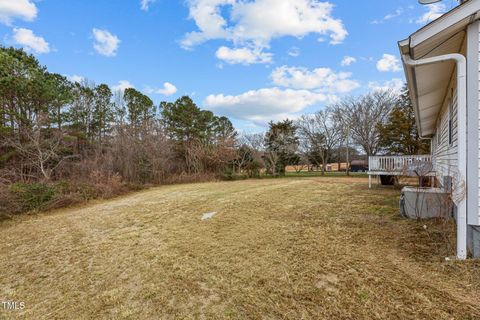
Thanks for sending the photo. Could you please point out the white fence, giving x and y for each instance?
(400, 165)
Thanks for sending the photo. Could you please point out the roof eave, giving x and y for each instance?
(469, 9)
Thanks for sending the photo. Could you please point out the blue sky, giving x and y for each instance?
(252, 60)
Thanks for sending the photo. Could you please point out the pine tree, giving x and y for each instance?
(103, 112)
(281, 143)
(141, 109)
(399, 135)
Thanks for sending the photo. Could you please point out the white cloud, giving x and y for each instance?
(145, 4)
(396, 84)
(347, 61)
(207, 17)
(434, 11)
(17, 9)
(254, 24)
(76, 78)
(294, 52)
(395, 14)
(296, 89)
(390, 16)
(388, 63)
(244, 56)
(105, 43)
(263, 105)
(167, 90)
(28, 40)
(122, 85)
(321, 79)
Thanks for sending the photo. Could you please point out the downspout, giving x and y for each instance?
(461, 63)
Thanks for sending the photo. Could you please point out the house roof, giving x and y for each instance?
(359, 163)
(428, 84)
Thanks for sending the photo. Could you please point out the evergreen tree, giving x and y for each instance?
(186, 122)
(103, 112)
(61, 93)
(82, 110)
(224, 129)
(140, 108)
(399, 135)
(281, 143)
(23, 86)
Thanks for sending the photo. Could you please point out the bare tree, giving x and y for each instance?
(272, 160)
(320, 134)
(41, 156)
(244, 153)
(256, 142)
(344, 127)
(362, 116)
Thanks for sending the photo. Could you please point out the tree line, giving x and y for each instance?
(86, 140)
(48, 122)
(379, 122)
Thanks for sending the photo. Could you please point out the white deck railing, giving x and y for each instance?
(399, 164)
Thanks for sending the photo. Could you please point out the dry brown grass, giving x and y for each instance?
(311, 248)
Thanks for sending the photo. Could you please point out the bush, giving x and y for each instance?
(97, 184)
(33, 195)
(9, 202)
(253, 169)
(229, 175)
(64, 200)
(190, 178)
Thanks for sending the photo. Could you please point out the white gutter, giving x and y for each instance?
(461, 62)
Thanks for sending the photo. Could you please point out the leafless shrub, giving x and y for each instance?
(9, 202)
(65, 200)
(40, 153)
(190, 178)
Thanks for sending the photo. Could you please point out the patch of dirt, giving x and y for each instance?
(328, 283)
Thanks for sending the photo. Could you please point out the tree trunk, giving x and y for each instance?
(348, 160)
(59, 118)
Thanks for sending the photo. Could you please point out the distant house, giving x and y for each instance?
(337, 167)
(331, 167)
(441, 62)
(359, 166)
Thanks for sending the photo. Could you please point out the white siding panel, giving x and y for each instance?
(479, 126)
(445, 153)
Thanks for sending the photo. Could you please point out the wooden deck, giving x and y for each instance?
(410, 166)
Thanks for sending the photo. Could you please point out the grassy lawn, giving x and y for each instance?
(309, 248)
(327, 174)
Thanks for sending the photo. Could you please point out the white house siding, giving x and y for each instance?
(477, 27)
(473, 127)
(444, 152)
